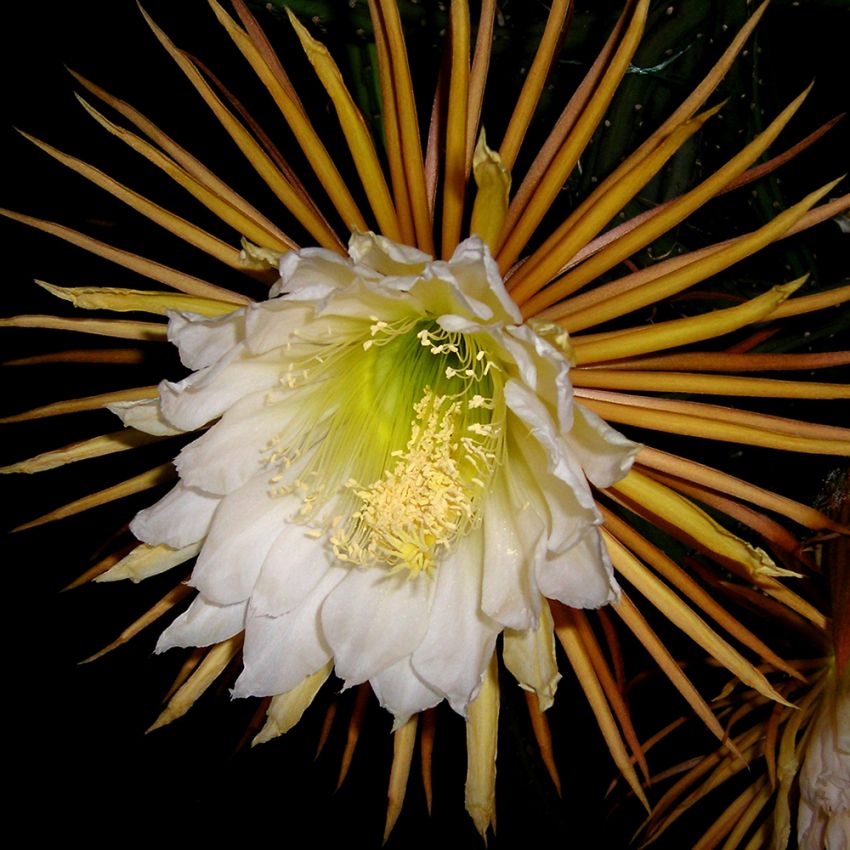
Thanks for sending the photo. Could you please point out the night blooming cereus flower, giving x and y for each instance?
(398, 468)
(404, 451)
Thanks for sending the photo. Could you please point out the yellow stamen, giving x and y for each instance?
(425, 501)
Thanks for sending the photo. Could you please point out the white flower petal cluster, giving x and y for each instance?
(393, 472)
(823, 821)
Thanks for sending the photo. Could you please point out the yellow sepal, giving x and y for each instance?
(491, 201)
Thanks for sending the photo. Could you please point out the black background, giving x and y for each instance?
(79, 759)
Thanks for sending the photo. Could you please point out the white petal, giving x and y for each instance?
(511, 537)
(205, 395)
(560, 461)
(568, 519)
(837, 833)
(353, 311)
(549, 463)
(440, 295)
(540, 492)
(312, 273)
(144, 415)
(203, 624)
(235, 448)
(457, 648)
(466, 293)
(604, 453)
(202, 341)
(548, 377)
(271, 324)
(402, 692)
(825, 773)
(295, 564)
(385, 256)
(477, 274)
(279, 652)
(373, 618)
(581, 577)
(244, 527)
(178, 519)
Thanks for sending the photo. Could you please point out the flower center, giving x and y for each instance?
(429, 497)
(407, 432)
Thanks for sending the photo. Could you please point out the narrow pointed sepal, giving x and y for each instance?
(404, 739)
(286, 710)
(481, 744)
(491, 201)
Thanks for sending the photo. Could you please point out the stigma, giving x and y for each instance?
(429, 495)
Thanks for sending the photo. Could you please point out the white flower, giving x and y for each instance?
(396, 473)
(824, 817)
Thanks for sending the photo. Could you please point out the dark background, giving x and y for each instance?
(76, 743)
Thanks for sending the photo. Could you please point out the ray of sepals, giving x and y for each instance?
(616, 372)
(776, 739)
